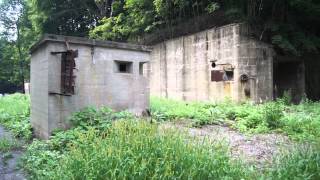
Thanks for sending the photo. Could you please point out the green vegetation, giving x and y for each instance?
(99, 147)
(116, 145)
(136, 150)
(44, 156)
(6, 145)
(300, 122)
(292, 26)
(15, 115)
(301, 163)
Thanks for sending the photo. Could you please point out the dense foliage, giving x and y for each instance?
(16, 37)
(299, 122)
(15, 115)
(292, 26)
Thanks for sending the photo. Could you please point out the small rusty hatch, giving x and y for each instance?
(217, 75)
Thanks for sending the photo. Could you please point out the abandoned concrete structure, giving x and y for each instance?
(69, 73)
(219, 63)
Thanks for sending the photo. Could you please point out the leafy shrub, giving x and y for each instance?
(40, 159)
(91, 117)
(88, 118)
(273, 112)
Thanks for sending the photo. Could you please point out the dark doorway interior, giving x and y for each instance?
(289, 77)
(312, 64)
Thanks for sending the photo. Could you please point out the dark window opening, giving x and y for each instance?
(123, 67)
(229, 75)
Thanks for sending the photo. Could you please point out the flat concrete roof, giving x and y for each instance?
(89, 42)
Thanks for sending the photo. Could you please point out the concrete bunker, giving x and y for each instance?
(212, 65)
(223, 62)
(71, 73)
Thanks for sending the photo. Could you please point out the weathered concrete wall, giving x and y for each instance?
(181, 68)
(255, 58)
(39, 91)
(97, 84)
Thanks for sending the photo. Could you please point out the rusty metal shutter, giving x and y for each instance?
(216, 75)
(67, 77)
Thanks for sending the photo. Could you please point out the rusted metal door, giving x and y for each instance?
(67, 66)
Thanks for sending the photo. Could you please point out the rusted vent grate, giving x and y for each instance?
(67, 66)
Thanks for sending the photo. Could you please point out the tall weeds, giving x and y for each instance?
(138, 150)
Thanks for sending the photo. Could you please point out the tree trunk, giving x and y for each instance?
(20, 57)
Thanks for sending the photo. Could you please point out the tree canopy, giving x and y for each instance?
(292, 26)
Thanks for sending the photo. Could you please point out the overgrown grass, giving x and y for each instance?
(7, 145)
(42, 157)
(108, 145)
(15, 115)
(301, 122)
(136, 150)
(301, 163)
(132, 149)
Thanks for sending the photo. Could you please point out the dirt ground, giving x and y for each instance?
(257, 149)
(9, 165)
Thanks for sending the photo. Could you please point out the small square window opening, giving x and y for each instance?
(229, 75)
(123, 67)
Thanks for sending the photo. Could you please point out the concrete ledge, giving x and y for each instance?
(90, 42)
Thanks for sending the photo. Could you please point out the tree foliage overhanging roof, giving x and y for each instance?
(292, 26)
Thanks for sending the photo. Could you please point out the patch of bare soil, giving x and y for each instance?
(256, 149)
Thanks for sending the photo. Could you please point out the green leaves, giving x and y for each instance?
(15, 115)
(212, 7)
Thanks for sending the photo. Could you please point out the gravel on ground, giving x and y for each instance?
(258, 149)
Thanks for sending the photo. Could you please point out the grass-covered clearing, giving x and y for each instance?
(15, 115)
(300, 122)
(108, 145)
